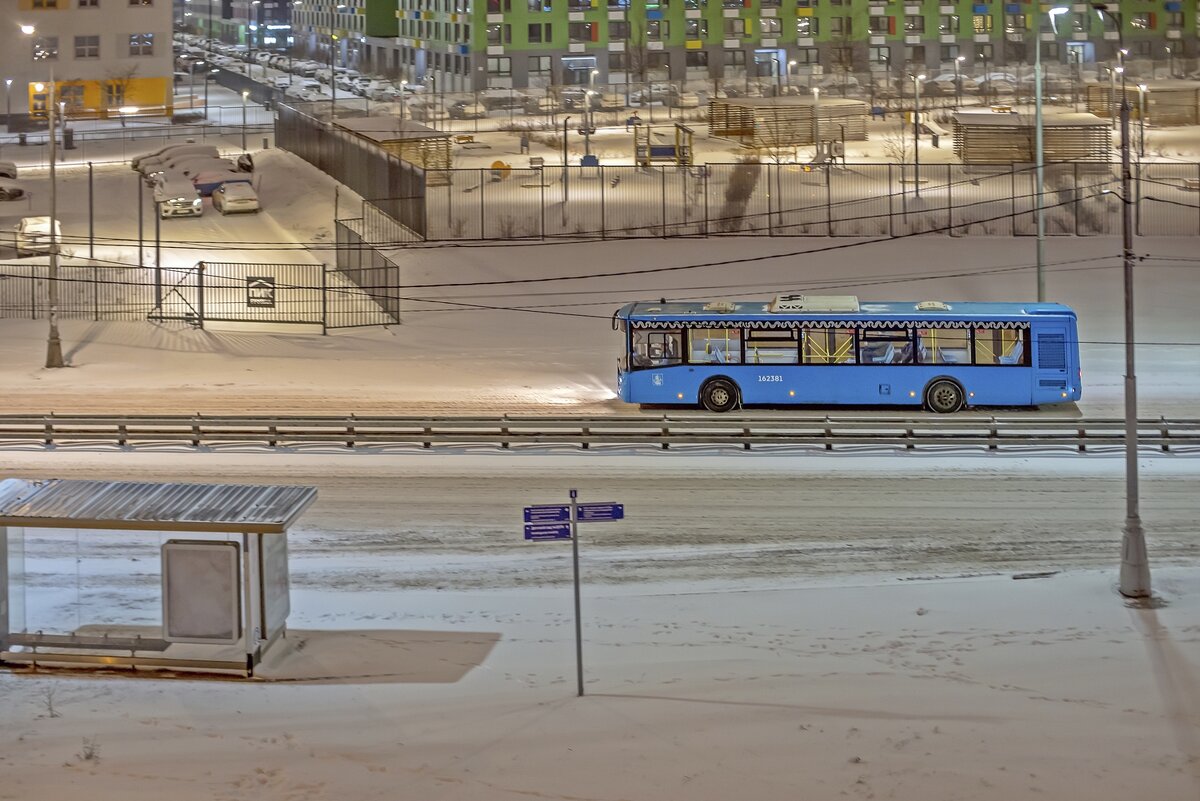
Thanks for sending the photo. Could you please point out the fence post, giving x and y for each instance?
(200, 293)
(662, 188)
(324, 300)
(1012, 193)
(707, 172)
(542, 202)
(91, 217)
(33, 283)
(95, 293)
(482, 214)
(828, 201)
(603, 228)
(891, 201)
(1137, 194)
(949, 201)
(770, 203)
(1075, 205)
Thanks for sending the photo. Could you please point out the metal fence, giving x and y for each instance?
(85, 292)
(813, 433)
(362, 259)
(228, 292)
(364, 167)
(768, 199)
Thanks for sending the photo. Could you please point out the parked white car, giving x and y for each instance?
(8, 169)
(177, 197)
(33, 237)
(231, 198)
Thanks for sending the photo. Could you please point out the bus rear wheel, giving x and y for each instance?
(944, 397)
(719, 395)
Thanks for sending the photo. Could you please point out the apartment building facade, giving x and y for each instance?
(102, 55)
(257, 24)
(478, 44)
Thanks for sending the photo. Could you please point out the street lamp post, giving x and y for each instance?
(917, 134)
(403, 98)
(1135, 566)
(333, 40)
(566, 170)
(54, 355)
(8, 104)
(1141, 120)
(816, 92)
(245, 96)
(1112, 96)
(958, 81)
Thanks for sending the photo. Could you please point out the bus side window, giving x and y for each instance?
(1000, 346)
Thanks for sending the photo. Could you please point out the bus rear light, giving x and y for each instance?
(680, 396)
(1064, 394)
(912, 394)
(791, 393)
(971, 394)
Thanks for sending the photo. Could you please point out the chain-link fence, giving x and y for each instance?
(361, 165)
(766, 199)
(209, 292)
(85, 292)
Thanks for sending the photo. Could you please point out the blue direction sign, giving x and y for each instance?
(591, 512)
(548, 531)
(547, 514)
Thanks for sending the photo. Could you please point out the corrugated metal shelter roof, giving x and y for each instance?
(132, 505)
(388, 129)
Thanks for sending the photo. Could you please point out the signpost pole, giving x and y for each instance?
(578, 618)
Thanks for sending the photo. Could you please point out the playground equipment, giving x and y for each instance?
(646, 151)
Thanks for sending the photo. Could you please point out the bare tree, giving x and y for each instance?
(116, 88)
(897, 145)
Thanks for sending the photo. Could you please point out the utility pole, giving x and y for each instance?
(1040, 211)
(1135, 565)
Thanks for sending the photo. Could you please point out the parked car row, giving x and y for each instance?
(182, 174)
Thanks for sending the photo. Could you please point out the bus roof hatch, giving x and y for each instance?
(814, 303)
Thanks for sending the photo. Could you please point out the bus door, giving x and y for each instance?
(1051, 360)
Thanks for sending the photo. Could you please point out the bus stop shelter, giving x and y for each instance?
(166, 576)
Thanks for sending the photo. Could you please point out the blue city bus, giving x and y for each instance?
(832, 350)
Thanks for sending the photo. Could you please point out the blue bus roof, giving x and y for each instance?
(760, 310)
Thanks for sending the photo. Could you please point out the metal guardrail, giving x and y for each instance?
(662, 431)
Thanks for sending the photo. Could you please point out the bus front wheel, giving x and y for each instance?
(944, 397)
(719, 395)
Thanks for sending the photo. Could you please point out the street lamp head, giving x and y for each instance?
(1124, 51)
(28, 30)
(245, 94)
(39, 87)
(1141, 87)
(127, 110)
(1120, 70)
(961, 59)
(920, 77)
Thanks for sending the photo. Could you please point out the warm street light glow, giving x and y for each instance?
(28, 30)
(39, 87)
(128, 110)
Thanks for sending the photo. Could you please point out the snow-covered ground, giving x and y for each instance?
(759, 627)
(738, 640)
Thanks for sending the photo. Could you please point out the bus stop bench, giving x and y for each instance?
(86, 642)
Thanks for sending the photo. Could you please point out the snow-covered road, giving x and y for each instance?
(453, 519)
